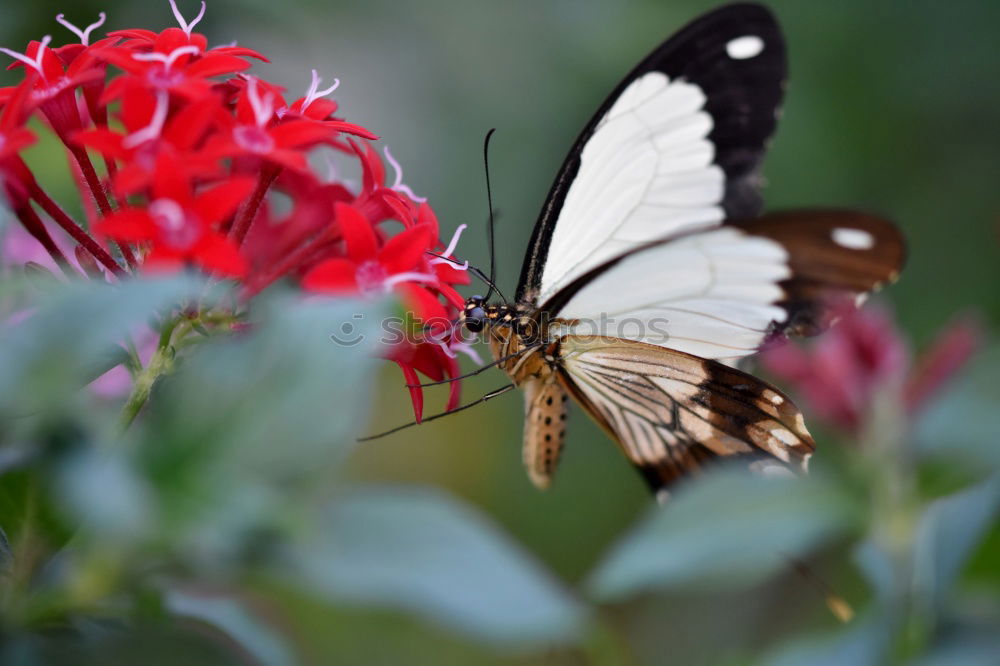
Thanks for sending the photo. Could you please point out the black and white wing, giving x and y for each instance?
(672, 413)
(721, 293)
(677, 145)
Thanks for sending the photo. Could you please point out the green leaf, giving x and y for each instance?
(864, 642)
(228, 615)
(6, 554)
(727, 527)
(278, 399)
(424, 552)
(67, 341)
(949, 530)
(877, 567)
(247, 424)
(964, 645)
(101, 489)
(963, 423)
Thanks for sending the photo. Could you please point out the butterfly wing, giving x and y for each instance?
(676, 145)
(672, 413)
(721, 293)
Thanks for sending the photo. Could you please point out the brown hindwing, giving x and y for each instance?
(545, 407)
(671, 413)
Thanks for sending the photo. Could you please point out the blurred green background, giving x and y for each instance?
(891, 107)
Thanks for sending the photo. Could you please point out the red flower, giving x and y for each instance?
(148, 132)
(54, 86)
(193, 163)
(844, 370)
(183, 226)
(401, 265)
(174, 60)
(13, 136)
(254, 133)
(372, 270)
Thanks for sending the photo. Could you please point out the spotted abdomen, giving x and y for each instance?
(545, 409)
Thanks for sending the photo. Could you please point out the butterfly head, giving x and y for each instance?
(475, 315)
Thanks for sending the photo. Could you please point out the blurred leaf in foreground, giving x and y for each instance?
(232, 618)
(729, 527)
(862, 643)
(71, 337)
(950, 529)
(423, 552)
(237, 437)
(964, 423)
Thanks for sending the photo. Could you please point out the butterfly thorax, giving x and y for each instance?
(515, 334)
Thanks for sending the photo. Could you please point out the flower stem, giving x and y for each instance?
(249, 213)
(70, 226)
(100, 195)
(159, 364)
(895, 515)
(34, 225)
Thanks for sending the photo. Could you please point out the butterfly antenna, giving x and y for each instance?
(489, 198)
(472, 269)
(488, 396)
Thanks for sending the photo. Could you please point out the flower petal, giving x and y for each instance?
(218, 202)
(332, 276)
(362, 243)
(298, 133)
(403, 251)
(951, 350)
(128, 224)
(422, 303)
(220, 255)
(214, 65)
(106, 142)
(416, 393)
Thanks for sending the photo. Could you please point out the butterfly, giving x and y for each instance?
(651, 272)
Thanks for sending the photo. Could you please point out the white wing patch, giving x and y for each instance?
(712, 294)
(646, 173)
(744, 48)
(853, 239)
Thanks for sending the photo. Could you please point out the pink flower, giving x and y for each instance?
(840, 374)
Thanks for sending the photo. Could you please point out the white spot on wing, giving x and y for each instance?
(785, 436)
(770, 468)
(853, 239)
(745, 47)
(774, 398)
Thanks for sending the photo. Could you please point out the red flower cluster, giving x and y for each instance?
(864, 355)
(191, 150)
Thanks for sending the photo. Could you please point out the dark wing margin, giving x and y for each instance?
(742, 96)
(672, 414)
(833, 255)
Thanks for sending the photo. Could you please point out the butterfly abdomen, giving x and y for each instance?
(545, 411)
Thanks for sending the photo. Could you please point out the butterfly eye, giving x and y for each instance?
(475, 319)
